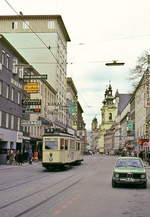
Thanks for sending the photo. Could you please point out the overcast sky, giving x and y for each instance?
(101, 31)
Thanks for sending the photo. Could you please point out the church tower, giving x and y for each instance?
(108, 115)
(94, 124)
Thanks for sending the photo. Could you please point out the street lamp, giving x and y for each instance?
(114, 63)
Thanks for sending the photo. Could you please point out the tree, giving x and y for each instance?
(137, 72)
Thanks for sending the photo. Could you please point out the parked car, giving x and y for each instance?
(129, 170)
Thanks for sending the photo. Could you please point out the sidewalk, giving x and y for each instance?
(8, 166)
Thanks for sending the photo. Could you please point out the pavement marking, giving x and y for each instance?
(57, 212)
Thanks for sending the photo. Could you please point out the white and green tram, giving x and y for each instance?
(60, 149)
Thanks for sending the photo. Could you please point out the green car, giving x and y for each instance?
(129, 170)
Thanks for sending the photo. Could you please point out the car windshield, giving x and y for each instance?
(129, 163)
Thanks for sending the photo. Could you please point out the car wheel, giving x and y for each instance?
(114, 184)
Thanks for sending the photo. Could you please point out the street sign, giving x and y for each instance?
(36, 77)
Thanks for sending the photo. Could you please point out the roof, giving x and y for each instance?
(30, 17)
(123, 101)
(71, 83)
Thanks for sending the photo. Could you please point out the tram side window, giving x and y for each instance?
(66, 144)
(72, 145)
(78, 146)
(51, 145)
(61, 144)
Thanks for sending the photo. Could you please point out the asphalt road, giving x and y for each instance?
(82, 191)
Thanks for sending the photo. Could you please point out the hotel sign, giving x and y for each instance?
(32, 87)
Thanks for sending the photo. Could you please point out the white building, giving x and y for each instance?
(42, 41)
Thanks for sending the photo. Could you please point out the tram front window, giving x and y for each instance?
(51, 145)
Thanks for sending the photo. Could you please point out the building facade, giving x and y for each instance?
(11, 96)
(42, 41)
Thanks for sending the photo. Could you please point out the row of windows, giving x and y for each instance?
(5, 59)
(25, 25)
(9, 121)
(10, 93)
(64, 144)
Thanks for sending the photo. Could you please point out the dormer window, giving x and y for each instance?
(51, 24)
(25, 25)
(14, 25)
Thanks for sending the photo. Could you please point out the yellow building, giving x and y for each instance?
(108, 114)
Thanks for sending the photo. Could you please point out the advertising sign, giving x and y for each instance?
(32, 87)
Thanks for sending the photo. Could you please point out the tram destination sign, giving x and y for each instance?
(36, 77)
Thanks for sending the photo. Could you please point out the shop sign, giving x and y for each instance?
(32, 87)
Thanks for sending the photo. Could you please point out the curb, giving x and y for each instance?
(3, 167)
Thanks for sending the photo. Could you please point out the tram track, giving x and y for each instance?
(23, 183)
(48, 198)
(36, 192)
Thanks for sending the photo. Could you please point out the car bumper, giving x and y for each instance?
(129, 181)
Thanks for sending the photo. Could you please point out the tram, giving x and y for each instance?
(60, 149)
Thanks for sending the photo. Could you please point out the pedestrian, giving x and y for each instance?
(30, 155)
(7, 158)
(141, 155)
(11, 157)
